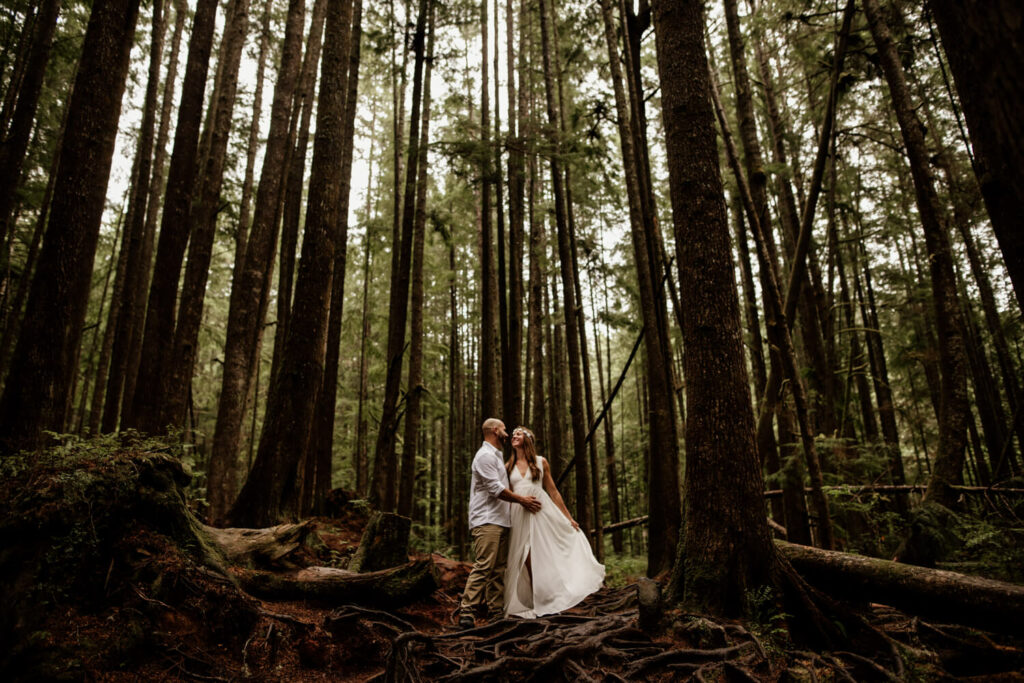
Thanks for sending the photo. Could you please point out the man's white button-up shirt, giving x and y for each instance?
(489, 480)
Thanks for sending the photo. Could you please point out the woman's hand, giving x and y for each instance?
(574, 524)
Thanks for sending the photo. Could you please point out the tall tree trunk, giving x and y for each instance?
(146, 195)
(489, 328)
(124, 298)
(90, 370)
(302, 116)
(611, 473)
(753, 321)
(509, 411)
(880, 377)
(783, 317)
(383, 488)
(664, 474)
(949, 459)
(248, 303)
(271, 491)
(576, 397)
(538, 322)
(786, 352)
(414, 385)
(857, 359)
(14, 139)
(982, 40)
(36, 392)
(316, 480)
(91, 423)
(361, 464)
(993, 321)
(757, 179)
(555, 370)
(177, 377)
(12, 324)
(245, 206)
(17, 69)
(455, 391)
(513, 376)
(726, 549)
(158, 337)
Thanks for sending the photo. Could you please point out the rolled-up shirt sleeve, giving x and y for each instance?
(488, 472)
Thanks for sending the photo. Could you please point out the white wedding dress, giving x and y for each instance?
(564, 568)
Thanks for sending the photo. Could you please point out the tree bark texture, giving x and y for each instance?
(786, 353)
(248, 303)
(302, 116)
(984, 42)
(158, 337)
(35, 396)
(930, 593)
(319, 457)
(725, 548)
(177, 375)
(490, 357)
(146, 193)
(272, 490)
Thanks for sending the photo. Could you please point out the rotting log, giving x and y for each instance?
(391, 587)
(903, 488)
(267, 547)
(932, 593)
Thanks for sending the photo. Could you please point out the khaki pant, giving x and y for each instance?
(486, 583)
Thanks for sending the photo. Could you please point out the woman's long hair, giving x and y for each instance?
(530, 451)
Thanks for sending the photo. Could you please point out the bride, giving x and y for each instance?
(550, 564)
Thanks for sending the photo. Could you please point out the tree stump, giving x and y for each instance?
(649, 598)
(385, 543)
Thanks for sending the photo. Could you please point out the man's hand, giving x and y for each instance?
(530, 503)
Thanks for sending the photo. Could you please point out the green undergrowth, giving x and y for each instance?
(984, 537)
(622, 570)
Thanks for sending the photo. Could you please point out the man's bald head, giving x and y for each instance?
(493, 428)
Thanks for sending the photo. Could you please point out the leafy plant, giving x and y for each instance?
(622, 570)
(766, 620)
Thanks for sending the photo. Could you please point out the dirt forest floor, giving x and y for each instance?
(106, 576)
(198, 639)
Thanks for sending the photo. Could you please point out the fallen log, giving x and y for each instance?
(932, 593)
(264, 547)
(391, 587)
(902, 488)
(636, 521)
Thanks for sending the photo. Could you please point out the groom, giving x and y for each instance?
(489, 522)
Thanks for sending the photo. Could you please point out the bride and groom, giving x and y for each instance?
(532, 559)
